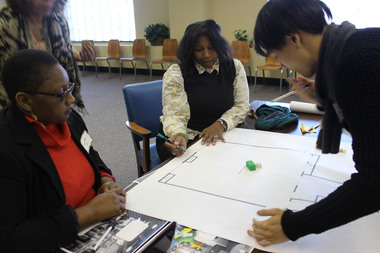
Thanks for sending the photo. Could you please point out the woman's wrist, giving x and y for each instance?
(223, 123)
(183, 135)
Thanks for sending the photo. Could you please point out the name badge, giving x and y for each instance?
(86, 141)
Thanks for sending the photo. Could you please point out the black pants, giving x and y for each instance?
(163, 152)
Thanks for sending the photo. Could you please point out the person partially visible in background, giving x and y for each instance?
(40, 24)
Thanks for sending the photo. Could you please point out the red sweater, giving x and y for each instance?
(74, 169)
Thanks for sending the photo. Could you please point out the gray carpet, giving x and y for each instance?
(106, 116)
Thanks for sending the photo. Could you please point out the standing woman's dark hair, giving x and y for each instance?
(278, 19)
(208, 28)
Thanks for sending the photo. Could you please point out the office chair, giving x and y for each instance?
(87, 43)
(272, 64)
(241, 52)
(144, 108)
(113, 54)
(169, 54)
(138, 54)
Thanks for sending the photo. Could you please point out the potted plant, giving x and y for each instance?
(241, 35)
(156, 33)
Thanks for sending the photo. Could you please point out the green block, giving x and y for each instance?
(250, 165)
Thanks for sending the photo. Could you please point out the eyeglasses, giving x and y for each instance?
(63, 96)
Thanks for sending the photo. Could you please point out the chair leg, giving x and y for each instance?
(282, 72)
(96, 69)
(121, 66)
(254, 85)
(150, 71)
(250, 74)
(84, 69)
(134, 69)
(264, 78)
(109, 68)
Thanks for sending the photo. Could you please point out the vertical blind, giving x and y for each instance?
(101, 20)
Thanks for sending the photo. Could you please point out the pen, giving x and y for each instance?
(314, 127)
(166, 139)
(107, 232)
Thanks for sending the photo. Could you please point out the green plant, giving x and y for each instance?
(155, 31)
(251, 43)
(241, 34)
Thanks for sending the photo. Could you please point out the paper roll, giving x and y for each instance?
(296, 106)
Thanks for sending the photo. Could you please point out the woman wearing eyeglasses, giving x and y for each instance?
(53, 183)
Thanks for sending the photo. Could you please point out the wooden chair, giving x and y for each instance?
(241, 52)
(87, 43)
(144, 108)
(138, 54)
(169, 54)
(272, 64)
(113, 54)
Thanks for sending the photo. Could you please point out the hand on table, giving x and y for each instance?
(304, 87)
(108, 184)
(269, 231)
(178, 140)
(103, 206)
(212, 133)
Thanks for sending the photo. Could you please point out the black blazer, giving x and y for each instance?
(33, 216)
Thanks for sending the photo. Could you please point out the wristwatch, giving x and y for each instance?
(223, 123)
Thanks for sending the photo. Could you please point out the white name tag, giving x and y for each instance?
(86, 140)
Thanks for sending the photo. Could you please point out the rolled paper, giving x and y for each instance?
(296, 106)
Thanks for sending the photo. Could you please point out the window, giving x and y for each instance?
(101, 20)
(364, 13)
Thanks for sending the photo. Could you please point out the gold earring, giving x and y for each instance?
(33, 116)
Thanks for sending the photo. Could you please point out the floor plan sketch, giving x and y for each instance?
(209, 188)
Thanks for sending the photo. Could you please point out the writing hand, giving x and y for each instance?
(304, 87)
(270, 231)
(177, 140)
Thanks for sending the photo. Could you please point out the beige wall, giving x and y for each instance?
(178, 14)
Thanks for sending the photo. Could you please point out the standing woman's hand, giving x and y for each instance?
(210, 134)
(304, 87)
(87, 53)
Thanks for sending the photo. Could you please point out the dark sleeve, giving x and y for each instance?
(358, 89)
(25, 225)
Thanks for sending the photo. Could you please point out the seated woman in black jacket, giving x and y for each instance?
(53, 181)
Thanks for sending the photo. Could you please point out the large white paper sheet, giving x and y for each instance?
(210, 189)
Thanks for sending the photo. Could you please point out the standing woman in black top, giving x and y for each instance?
(205, 94)
(346, 64)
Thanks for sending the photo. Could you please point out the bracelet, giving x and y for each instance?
(223, 123)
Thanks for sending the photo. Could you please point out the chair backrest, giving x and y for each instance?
(114, 48)
(272, 61)
(169, 50)
(241, 51)
(139, 49)
(144, 105)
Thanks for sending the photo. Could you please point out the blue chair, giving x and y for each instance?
(144, 108)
